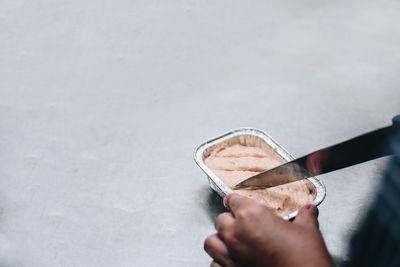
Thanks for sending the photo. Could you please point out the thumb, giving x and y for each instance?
(307, 216)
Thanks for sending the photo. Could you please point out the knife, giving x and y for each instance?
(359, 149)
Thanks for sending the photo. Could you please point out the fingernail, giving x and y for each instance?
(224, 202)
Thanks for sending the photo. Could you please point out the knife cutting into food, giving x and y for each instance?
(252, 235)
(369, 146)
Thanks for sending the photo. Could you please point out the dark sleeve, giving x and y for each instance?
(376, 243)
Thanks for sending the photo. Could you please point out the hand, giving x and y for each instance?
(252, 235)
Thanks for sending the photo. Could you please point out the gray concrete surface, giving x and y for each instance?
(102, 104)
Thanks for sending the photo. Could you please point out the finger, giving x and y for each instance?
(215, 264)
(234, 201)
(217, 250)
(307, 216)
(224, 221)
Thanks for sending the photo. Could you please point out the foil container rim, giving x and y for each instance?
(198, 157)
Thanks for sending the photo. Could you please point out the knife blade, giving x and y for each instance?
(360, 149)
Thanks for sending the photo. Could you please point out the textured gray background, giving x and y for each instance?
(102, 104)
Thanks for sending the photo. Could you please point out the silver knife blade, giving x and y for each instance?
(360, 149)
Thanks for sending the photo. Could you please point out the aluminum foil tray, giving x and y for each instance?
(244, 136)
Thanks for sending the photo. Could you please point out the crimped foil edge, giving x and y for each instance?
(219, 186)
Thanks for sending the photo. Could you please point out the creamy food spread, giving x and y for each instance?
(233, 163)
